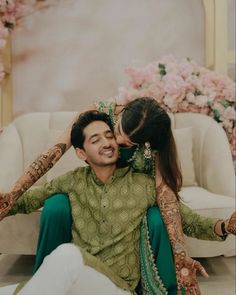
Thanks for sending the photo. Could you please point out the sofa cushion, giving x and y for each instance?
(183, 140)
(207, 203)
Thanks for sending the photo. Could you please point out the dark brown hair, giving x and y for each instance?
(77, 131)
(143, 120)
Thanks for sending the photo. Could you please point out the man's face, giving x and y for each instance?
(100, 147)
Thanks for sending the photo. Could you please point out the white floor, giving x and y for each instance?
(16, 268)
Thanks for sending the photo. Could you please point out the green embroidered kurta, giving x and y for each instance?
(106, 218)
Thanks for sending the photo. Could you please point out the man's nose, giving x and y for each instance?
(106, 141)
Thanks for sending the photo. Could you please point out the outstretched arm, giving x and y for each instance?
(205, 228)
(37, 169)
(185, 266)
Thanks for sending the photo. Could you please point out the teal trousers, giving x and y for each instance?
(55, 229)
(162, 250)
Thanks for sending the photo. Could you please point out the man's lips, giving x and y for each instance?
(108, 152)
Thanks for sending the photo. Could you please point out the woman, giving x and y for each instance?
(146, 129)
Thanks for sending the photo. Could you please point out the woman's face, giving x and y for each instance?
(121, 137)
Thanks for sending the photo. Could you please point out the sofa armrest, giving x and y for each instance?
(11, 157)
(217, 172)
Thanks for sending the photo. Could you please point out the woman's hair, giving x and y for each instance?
(143, 120)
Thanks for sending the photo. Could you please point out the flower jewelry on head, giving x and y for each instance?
(147, 150)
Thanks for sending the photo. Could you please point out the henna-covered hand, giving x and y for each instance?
(37, 169)
(6, 203)
(231, 224)
(186, 269)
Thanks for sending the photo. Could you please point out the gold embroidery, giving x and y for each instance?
(169, 207)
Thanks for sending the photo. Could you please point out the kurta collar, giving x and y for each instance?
(119, 172)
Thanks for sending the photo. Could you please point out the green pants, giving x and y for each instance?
(55, 226)
(55, 229)
(162, 250)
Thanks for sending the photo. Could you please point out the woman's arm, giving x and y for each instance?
(185, 266)
(206, 228)
(43, 163)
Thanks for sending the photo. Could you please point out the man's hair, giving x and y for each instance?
(77, 132)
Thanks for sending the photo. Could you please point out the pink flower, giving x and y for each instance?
(201, 100)
(227, 124)
(8, 5)
(139, 77)
(205, 110)
(219, 107)
(171, 102)
(190, 97)
(186, 69)
(230, 92)
(174, 86)
(123, 96)
(193, 84)
(156, 91)
(185, 87)
(193, 108)
(183, 106)
(229, 113)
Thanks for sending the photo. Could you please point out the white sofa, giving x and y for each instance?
(205, 158)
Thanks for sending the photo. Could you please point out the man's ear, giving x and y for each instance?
(81, 154)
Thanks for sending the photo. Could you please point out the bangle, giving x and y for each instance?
(224, 232)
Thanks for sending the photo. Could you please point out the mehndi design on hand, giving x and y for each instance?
(186, 269)
(169, 207)
(231, 226)
(35, 171)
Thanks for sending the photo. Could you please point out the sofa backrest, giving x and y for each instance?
(201, 142)
(212, 157)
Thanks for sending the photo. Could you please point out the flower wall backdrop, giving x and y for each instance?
(184, 86)
(11, 11)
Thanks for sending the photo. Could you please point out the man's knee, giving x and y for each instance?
(57, 208)
(65, 254)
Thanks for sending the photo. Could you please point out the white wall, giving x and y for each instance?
(75, 52)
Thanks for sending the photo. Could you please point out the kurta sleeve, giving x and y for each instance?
(34, 199)
(198, 226)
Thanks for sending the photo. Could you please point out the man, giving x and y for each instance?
(107, 205)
